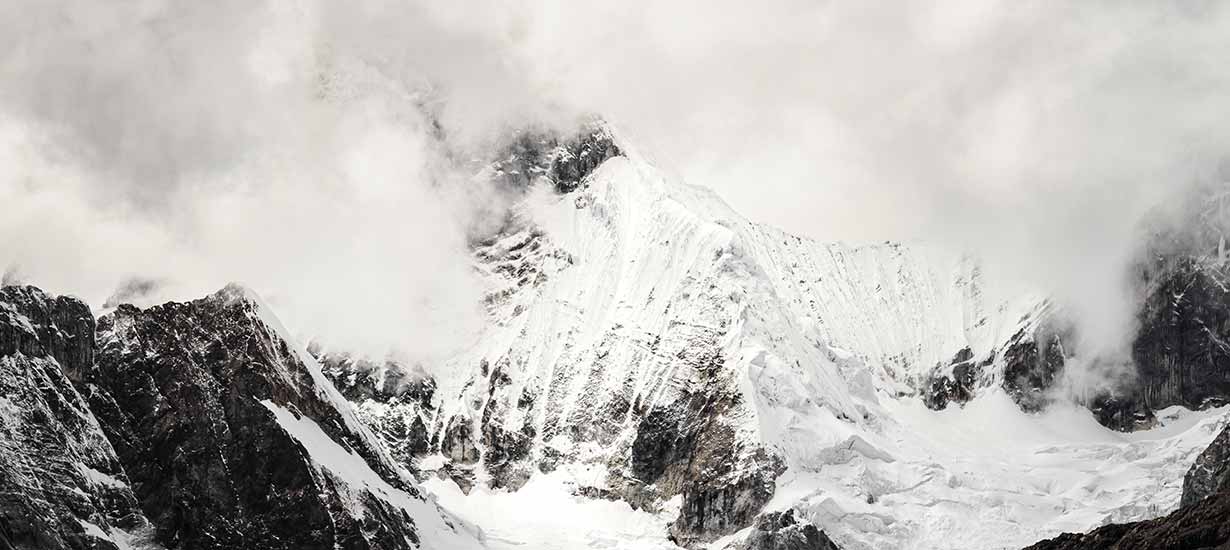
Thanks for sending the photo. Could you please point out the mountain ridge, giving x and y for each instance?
(229, 433)
(726, 384)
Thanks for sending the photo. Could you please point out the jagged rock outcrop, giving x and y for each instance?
(377, 387)
(579, 157)
(782, 531)
(563, 161)
(1122, 411)
(1025, 366)
(955, 384)
(234, 439)
(1210, 474)
(687, 448)
(1031, 363)
(1182, 350)
(61, 484)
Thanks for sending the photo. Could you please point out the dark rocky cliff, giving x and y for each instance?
(61, 484)
(1182, 351)
(1210, 474)
(229, 433)
(564, 162)
(186, 391)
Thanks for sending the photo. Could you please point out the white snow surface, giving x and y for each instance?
(986, 476)
(827, 343)
(544, 515)
(989, 476)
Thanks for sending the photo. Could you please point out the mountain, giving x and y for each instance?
(193, 425)
(656, 372)
(648, 346)
(643, 327)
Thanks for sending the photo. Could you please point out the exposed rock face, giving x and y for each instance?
(579, 157)
(220, 422)
(1182, 351)
(1034, 360)
(61, 484)
(716, 504)
(1125, 411)
(1025, 366)
(377, 387)
(781, 531)
(1031, 363)
(687, 448)
(361, 379)
(39, 325)
(564, 162)
(1210, 474)
(957, 383)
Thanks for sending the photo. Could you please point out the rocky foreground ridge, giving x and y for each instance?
(200, 425)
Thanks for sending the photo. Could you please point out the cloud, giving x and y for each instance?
(135, 290)
(269, 143)
(1033, 134)
(321, 152)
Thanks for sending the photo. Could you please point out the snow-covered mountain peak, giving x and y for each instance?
(662, 371)
(649, 344)
(900, 308)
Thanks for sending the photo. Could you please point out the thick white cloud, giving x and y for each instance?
(285, 144)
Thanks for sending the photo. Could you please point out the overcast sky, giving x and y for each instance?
(174, 146)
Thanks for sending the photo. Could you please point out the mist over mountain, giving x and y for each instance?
(570, 275)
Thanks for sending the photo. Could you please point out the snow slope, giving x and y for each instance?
(544, 515)
(989, 476)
